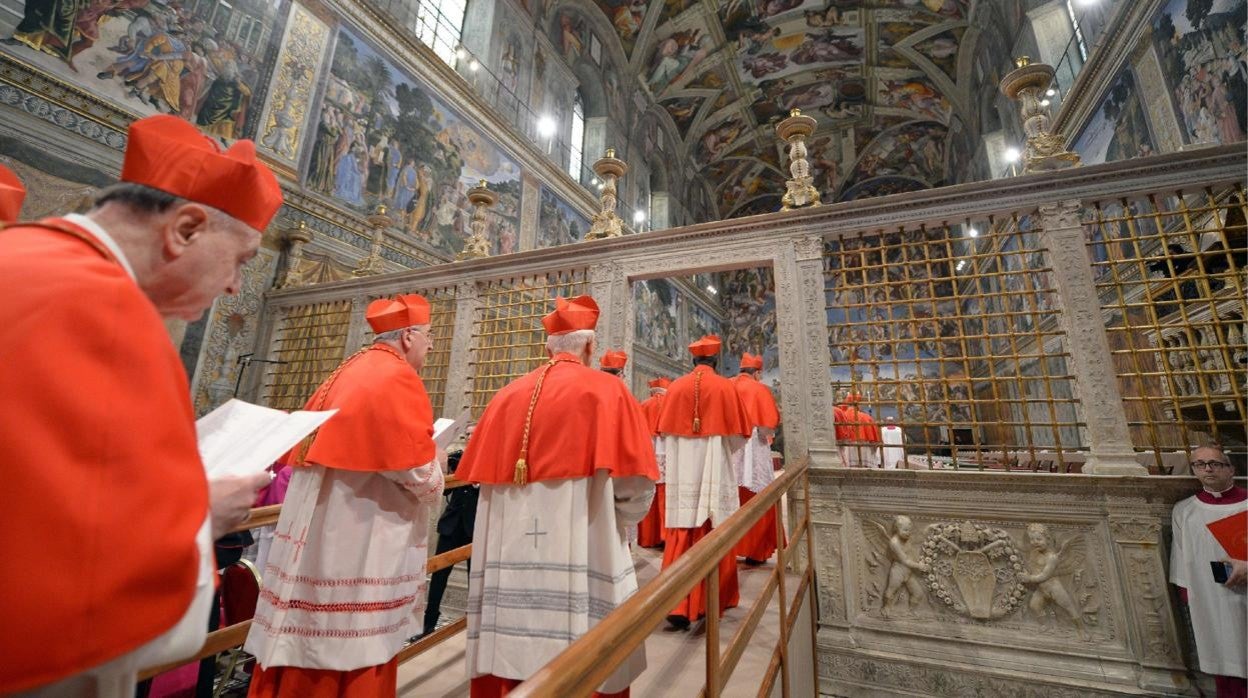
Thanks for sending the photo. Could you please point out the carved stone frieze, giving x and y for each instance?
(1135, 529)
(1152, 606)
(828, 573)
(845, 674)
(991, 575)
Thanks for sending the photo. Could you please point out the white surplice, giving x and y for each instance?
(549, 561)
(752, 465)
(701, 483)
(345, 585)
(1219, 613)
(116, 678)
(894, 452)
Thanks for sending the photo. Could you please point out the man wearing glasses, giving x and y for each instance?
(1210, 579)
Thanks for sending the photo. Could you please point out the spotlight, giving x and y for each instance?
(473, 65)
(1012, 154)
(961, 265)
(711, 290)
(1050, 92)
(460, 53)
(1044, 102)
(639, 216)
(545, 127)
(972, 232)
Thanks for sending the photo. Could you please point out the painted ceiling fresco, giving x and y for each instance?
(887, 81)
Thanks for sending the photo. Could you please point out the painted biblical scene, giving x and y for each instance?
(557, 222)
(749, 299)
(656, 327)
(384, 139)
(1201, 46)
(1118, 130)
(206, 61)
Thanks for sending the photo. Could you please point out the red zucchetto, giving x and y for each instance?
(614, 359)
(660, 383)
(167, 153)
(706, 346)
(385, 315)
(580, 313)
(12, 193)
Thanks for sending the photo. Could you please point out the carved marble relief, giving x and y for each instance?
(285, 118)
(1038, 578)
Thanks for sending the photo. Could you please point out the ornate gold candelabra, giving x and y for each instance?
(296, 238)
(606, 224)
(1026, 84)
(373, 263)
(477, 246)
(801, 189)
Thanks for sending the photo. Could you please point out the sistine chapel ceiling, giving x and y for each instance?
(887, 80)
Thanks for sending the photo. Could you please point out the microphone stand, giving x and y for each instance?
(245, 360)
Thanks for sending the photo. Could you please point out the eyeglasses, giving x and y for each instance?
(1209, 464)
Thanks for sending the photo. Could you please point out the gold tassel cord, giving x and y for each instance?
(697, 394)
(521, 474)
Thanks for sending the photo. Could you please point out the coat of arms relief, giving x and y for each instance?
(1001, 575)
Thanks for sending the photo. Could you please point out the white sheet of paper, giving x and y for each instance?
(239, 438)
(445, 431)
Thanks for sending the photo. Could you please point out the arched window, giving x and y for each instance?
(439, 24)
(576, 144)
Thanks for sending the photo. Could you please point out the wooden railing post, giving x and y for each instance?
(810, 570)
(782, 560)
(712, 633)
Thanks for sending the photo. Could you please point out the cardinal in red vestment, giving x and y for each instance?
(652, 529)
(613, 362)
(565, 464)
(702, 423)
(110, 520)
(857, 435)
(345, 580)
(753, 463)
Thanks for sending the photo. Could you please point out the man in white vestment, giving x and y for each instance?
(1219, 609)
(344, 586)
(565, 464)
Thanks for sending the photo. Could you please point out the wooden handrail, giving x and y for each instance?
(590, 660)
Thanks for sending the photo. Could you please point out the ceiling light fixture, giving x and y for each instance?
(1012, 154)
(473, 65)
(711, 290)
(461, 53)
(1044, 102)
(1050, 92)
(972, 231)
(639, 216)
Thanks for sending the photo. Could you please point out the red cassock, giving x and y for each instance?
(104, 489)
(651, 529)
(720, 414)
(603, 430)
(760, 406)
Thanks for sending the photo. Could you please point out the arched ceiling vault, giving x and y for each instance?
(885, 79)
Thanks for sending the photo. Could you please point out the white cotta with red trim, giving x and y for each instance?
(345, 579)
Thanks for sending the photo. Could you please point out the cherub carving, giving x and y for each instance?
(1046, 565)
(901, 573)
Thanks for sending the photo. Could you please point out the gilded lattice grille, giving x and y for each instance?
(310, 340)
(1170, 272)
(950, 333)
(441, 327)
(508, 339)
